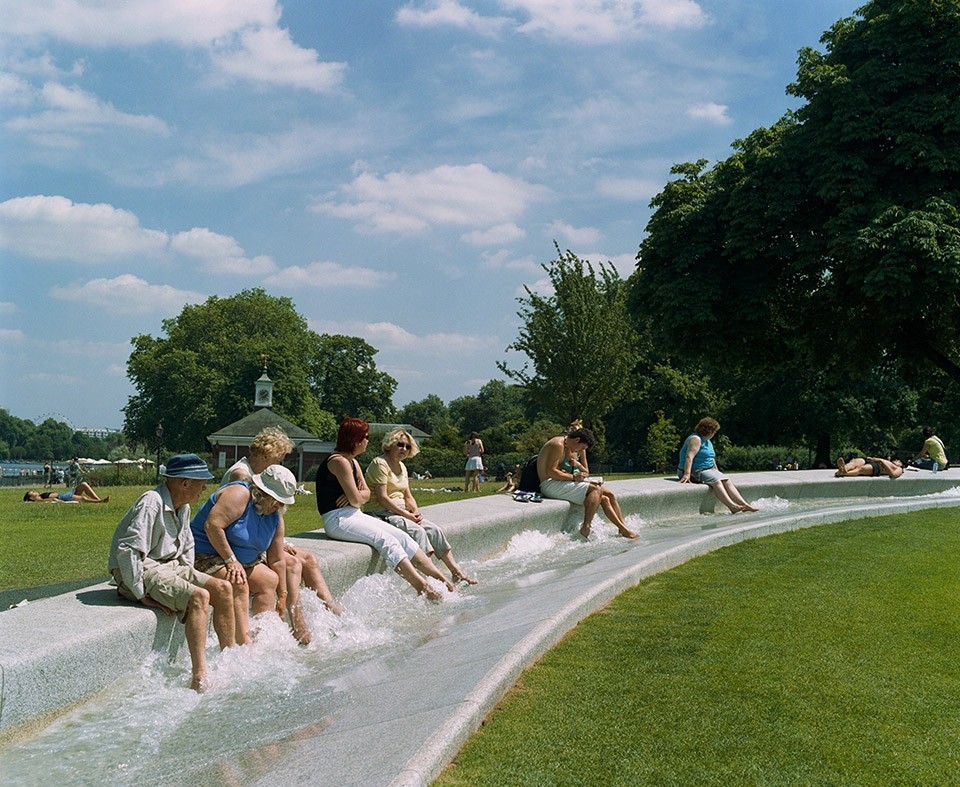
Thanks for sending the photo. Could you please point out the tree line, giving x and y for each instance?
(23, 440)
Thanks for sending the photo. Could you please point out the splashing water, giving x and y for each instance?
(149, 728)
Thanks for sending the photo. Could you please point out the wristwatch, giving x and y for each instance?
(230, 560)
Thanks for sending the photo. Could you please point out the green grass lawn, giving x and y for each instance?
(826, 656)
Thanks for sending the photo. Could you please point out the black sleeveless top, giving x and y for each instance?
(328, 486)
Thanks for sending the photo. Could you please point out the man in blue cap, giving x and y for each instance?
(151, 561)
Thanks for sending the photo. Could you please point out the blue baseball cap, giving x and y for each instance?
(187, 466)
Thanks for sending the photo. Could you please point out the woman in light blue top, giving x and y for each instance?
(698, 464)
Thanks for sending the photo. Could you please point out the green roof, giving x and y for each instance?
(253, 424)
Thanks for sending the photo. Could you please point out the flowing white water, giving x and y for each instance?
(149, 728)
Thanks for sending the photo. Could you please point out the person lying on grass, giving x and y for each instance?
(82, 493)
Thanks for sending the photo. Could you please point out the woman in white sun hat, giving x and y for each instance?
(239, 537)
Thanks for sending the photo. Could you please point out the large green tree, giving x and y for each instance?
(831, 240)
(578, 339)
(201, 375)
(429, 414)
(345, 377)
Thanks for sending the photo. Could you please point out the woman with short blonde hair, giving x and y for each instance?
(393, 502)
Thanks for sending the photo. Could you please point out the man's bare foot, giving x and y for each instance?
(451, 585)
(629, 534)
(199, 683)
(841, 467)
(749, 507)
(585, 531)
(459, 576)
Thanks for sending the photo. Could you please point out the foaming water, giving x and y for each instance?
(150, 728)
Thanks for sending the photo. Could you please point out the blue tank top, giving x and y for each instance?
(704, 458)
(248, 536)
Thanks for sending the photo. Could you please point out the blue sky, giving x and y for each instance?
(400, 170)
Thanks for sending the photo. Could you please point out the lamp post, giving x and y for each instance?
(159, 436)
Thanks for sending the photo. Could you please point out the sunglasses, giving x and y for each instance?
(403, 446)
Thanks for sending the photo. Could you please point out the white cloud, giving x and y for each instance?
(238, 161)
(6, 307)
(220, 253)
(465, 196)
(320, 275)
(392, 337)
(71, 109)
(599, 21)
(449, 13)
(495, 236)
(715, 113)
(268, 55)
(503, 260)
(629, 189)
(10, 336)
(624, 264)
(584, 21)
(134, 22)
(127, 294)
(577, 236)
(14, 91)
(54, 228)
(242, 36)
(542, 286)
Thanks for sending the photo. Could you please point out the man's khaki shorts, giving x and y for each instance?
(171, 584)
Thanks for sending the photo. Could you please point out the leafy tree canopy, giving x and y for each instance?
(201, 375)
(494, 404)
(24, 440)
(578, 339)
(429, 414)
(831, 240)
(345, 378)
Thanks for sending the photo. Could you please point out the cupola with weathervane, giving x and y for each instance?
(263, 394)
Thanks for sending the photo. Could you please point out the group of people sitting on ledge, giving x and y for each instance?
(232, 556)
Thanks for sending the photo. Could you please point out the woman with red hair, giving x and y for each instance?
(342, 491)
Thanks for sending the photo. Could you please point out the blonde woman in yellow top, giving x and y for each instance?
(393, 502)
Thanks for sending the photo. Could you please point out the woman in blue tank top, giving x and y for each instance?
(698, 465)
(238, 535)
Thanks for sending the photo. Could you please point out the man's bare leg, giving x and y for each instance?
(195, 629)
(590, 505)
